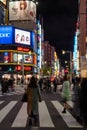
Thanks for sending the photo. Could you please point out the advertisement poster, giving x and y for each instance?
(22, 10)
(22, 37)
(3, 1)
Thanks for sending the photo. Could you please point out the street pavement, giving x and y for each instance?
(13, 115)
(17, 89)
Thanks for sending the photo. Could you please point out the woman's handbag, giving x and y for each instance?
(24, 98)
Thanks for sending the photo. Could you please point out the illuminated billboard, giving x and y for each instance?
(28, 59)
(6, 34)
(3, 1)
(22, 10)
(17, 57)
(22, 37)
(39, 43)
(12, 35)
(4, 57)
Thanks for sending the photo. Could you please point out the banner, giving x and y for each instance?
(22, 10)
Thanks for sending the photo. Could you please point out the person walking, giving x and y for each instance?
(34, 96)
(40, 83)
(48, 84)
(55, 83)
(66, 94)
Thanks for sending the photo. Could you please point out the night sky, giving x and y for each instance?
(59, 22)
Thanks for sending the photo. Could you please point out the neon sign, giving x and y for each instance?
(28, 68)
(2, 35)
(6, 34)
(23, 49)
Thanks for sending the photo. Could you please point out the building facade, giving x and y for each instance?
(17, 33)
(82, 37)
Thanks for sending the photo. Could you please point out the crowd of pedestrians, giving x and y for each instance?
(34, 89)
(45, 85)
(6, 85)
(78, 97)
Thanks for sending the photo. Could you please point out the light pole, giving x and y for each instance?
(70, 53)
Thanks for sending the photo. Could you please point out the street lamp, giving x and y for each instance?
(70, 53)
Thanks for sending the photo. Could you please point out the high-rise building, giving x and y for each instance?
(17, 30)
(82, 26)
(82, 37)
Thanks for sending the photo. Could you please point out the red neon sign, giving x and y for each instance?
(18, 68)
(23, 49)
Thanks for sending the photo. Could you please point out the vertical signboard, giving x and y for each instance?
(39, 43)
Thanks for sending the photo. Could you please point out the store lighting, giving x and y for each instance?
(36, 3)
(64, 52)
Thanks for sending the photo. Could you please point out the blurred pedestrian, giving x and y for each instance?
(3, 87)
(83, 102)
(11, 84)
(34, 95)
(66, 94)
(44, 87)
(76, 99)
(48, 84)
(40, 83)
(55, 83)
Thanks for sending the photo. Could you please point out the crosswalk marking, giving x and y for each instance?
(45, 119)
(6, 110)
(1, 102)
(21, 118)
(44, 116)
(70, 103)
(68, 118)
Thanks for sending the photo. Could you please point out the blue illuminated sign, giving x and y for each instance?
(6, 34)
(33, 45)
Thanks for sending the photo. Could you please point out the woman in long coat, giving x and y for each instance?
(34, 96)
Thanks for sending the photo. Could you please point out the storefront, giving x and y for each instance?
(17, 51)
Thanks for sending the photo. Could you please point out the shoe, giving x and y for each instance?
(64, 111)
